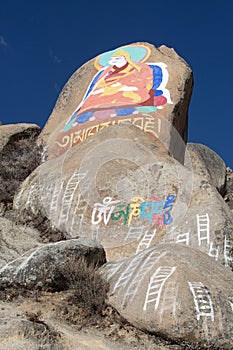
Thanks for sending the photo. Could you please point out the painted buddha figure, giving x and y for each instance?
(122, 86)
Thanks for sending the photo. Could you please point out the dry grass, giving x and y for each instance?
(88, 289)
(17, 161)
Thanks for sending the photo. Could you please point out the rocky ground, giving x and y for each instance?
(49, 321)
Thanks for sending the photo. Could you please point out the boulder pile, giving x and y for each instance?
(119, 180)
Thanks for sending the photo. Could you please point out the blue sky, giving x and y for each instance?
(43, 42)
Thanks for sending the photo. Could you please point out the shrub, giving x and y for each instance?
(17, 161)
(88, 288)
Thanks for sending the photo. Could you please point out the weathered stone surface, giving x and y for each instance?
(175, 291)
(207, 224)
(206, 163)
(120, 168)
(33, 325)
(18, 332)
(15, 240)
(152, 92)
(37, 267)
(11, 132)
(126, 187)
(118, 163)
(228, 197)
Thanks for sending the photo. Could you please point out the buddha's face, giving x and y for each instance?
(118, 61)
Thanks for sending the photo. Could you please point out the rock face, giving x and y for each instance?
(130, 189)
(38, 267)
(207, 164)
(120, 189)
(15, 240)
(207, 224)
(114, 166)
(11, 132)
(136, 84)
(229, 189)
(175, 291)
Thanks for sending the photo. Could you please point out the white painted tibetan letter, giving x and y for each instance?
(103, 211)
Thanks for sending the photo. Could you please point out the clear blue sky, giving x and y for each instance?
(43, 42)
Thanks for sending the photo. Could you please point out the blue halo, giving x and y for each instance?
(137, 53)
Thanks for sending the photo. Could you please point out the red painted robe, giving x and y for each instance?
(121, 87)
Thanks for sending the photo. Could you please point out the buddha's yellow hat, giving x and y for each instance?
(127, 57)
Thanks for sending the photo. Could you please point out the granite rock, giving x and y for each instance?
(37, 268)
(152, 91)
(16, 240)
(175, 291)
(120, 189)
(207, 164)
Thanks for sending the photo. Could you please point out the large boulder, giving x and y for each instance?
(119, 167)
(175, 291)
(207, 224)
(206, 163)
(38, 267)
(137, 84)
(16, 240)
(119, 188)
